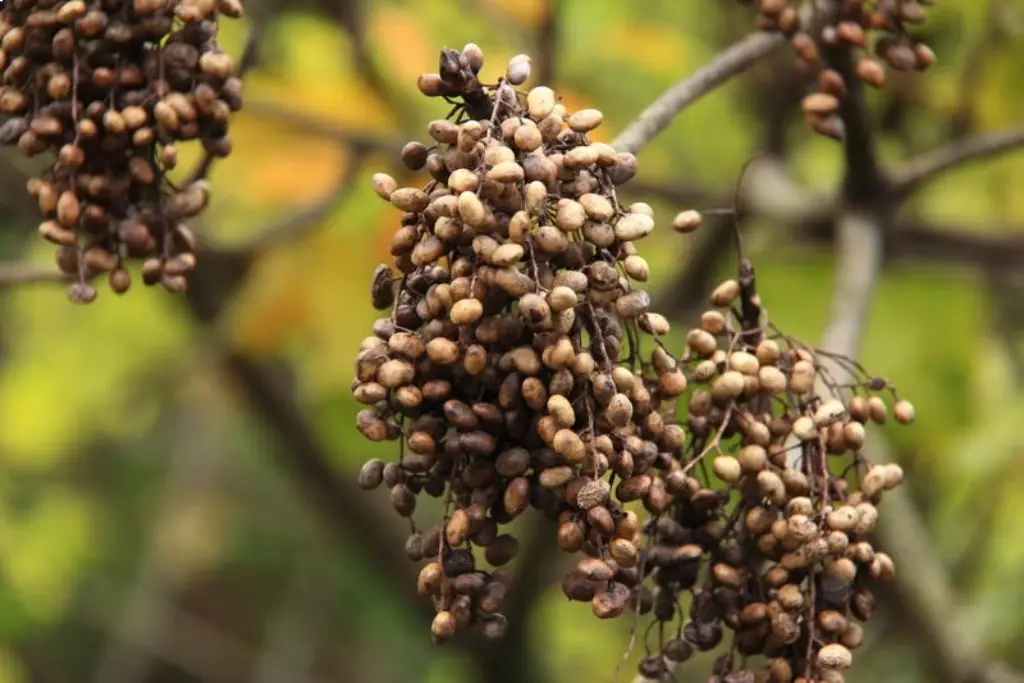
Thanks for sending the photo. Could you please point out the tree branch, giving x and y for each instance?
(727, 64)
(924, 168)
(859, 246)
(265, 386)
(926, 591)
(513, 659)
(992, 37)
(27, 274)
(864, 182)
(923, 592)
(315, 126)
(987, 248)
(547, 41)
(196, 466)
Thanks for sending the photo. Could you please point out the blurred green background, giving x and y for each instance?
(177, 499)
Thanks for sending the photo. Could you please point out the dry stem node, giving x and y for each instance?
(110, 87)
(519, 367)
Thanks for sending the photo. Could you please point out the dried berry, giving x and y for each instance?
(815, 44)
(113, 91)
(520, 370)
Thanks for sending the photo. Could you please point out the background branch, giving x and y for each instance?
(663, 110)
(315, 126)
(547, 41)
(860, 221)
(919, 171)
(28, 273)
(147, 615)
(921, 584)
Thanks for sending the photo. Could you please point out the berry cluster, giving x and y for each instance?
(110, 87)
(520, 367)
(851, 26)
(499, 368)
(771, 508)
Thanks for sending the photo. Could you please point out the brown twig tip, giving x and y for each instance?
(924, 168)
(727, 64)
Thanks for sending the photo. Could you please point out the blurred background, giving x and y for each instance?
(177, 475)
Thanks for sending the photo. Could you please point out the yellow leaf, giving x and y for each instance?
(46, 548)
(529, 13)
(11, 669)
(663, 51)
(347, 101)
(274, 308)
(405, 42)
(292, 169)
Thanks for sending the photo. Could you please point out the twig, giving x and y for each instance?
(547, 41)
(26, 273)
(992, 37)
(318, 127)
(859, 249)
(924, 168)
(727, 64)
(196, 465)
(996, 247)
(926, 590)
(985, 247)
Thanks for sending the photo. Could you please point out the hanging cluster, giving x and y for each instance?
(766, 537)
(877, 32)
(499, 367)
(520, 367)
(110, 88)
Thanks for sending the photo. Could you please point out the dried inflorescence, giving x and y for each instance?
(767, 533)
(520, 367)
(110, 88)
(877, 32)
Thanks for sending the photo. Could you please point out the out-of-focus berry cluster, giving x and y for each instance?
(878, 31)
(110, 88)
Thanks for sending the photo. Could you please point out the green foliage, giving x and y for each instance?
(71, 378)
